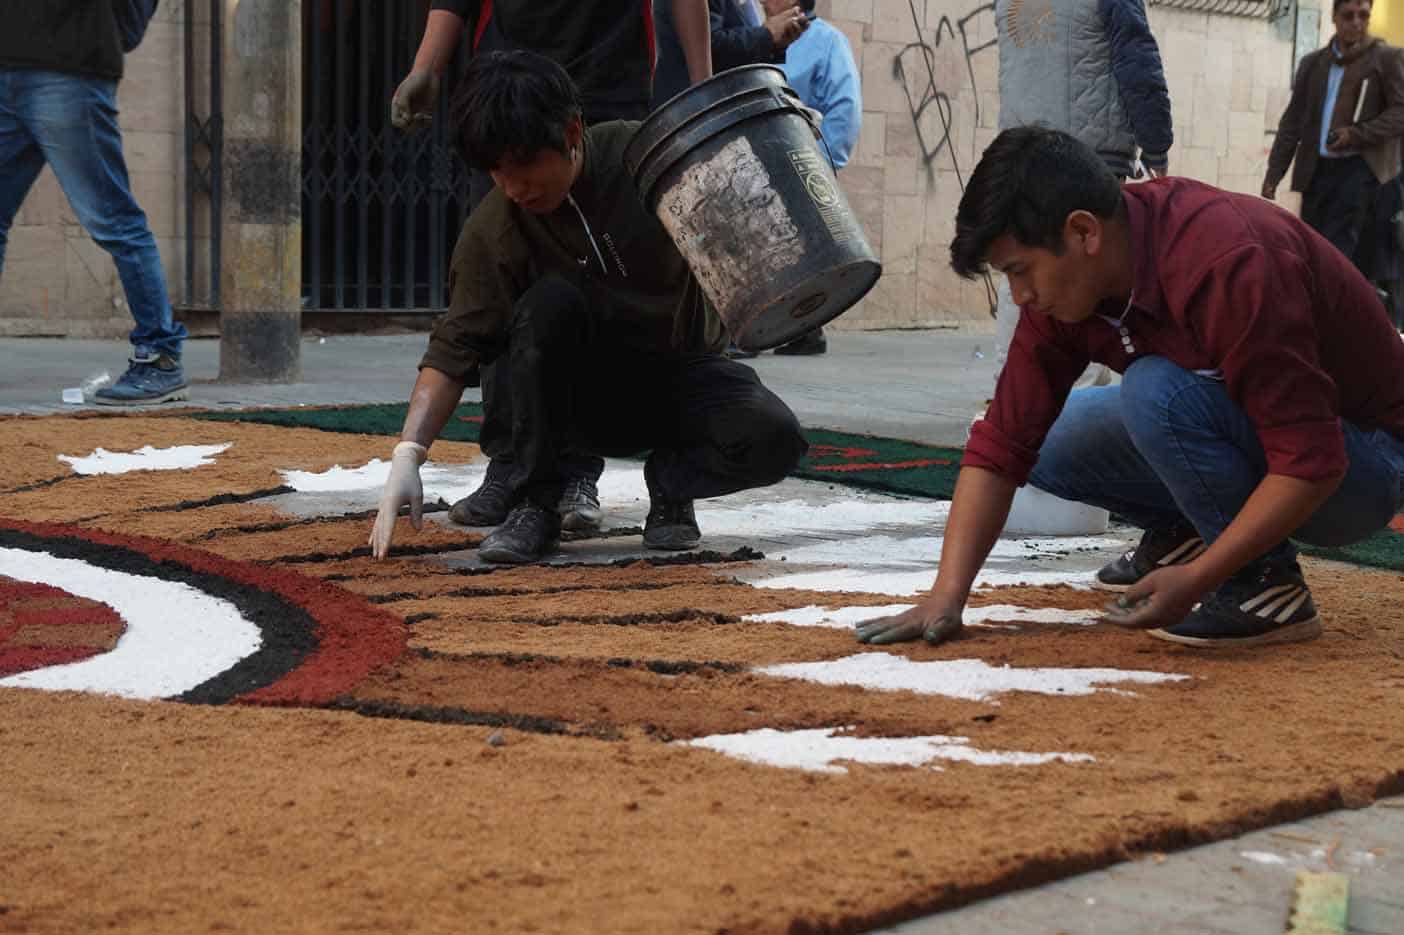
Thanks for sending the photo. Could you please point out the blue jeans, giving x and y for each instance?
(1169, 444)
(70, 122)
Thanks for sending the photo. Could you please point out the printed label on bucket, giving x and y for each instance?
(815, 175)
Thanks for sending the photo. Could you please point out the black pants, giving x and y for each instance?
(711, 426)
(1340, 202)
(496, 436)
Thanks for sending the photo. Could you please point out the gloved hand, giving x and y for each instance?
(412, 106)
(402, 487)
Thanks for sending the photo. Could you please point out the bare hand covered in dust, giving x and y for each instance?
(931, 620)
(412, 106)
(1161, 599)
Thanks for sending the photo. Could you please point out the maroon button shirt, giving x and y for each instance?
(1231, 285)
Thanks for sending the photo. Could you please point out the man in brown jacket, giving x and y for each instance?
(1343, 125)
(597, 335)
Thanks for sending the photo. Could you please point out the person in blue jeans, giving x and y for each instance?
(1260, 399)
(60, 61)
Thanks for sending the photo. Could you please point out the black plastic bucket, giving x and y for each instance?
(734, 169)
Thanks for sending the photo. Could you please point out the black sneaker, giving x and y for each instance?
(580, 505)
(1159, 548)
(1267, 602)
(810, 343)
(488, 505)
(733, 352)
(671, 525)
(528, 533)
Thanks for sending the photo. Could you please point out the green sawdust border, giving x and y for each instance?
(871, 462)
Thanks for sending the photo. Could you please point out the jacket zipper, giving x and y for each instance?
(589, 233)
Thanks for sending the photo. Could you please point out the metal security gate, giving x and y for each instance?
(381, 208)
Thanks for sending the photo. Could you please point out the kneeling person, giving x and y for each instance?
(601, 337)
(1260, 397)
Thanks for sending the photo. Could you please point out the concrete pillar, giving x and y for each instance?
(261, 274)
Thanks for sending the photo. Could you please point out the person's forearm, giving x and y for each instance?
(433, 401)
(441, 37)
(1278, 506)
(693, 28)
(978, 511)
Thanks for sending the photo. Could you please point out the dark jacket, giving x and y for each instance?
(74, 36)
(1381, 124)
(640, 289)
(734, 43)
(607, 46)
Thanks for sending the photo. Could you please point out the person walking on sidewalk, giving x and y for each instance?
(1090, 68)
(607, 47)
(60, 62)
(1342, 128)
(1260, 397)
(597, 331)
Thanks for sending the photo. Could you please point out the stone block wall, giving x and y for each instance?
(56, 281)
(931, 105)
(930, 76)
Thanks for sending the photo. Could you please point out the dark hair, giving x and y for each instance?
(509, 106)
(1337, 4)
(806, 6)
(1026, 184)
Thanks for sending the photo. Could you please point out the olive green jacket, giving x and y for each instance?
(641, 292)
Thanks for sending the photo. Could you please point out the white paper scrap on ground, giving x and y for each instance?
(970, 679)
(1263, 857)
(844, 618)
(179, 458)
(177, 637)
(820, 749)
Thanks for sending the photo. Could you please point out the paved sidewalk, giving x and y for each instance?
(920, 385)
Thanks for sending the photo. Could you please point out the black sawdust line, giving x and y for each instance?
(222, 499)
(461, 716)
(657, 666)
(396, 596)
(682, 615)
(40, 485)
(362, 551)
(704, 557)
(438, 507)
(412, 619)
(616, 532)
(217, 500)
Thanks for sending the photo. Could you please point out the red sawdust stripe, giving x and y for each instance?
(353, 636)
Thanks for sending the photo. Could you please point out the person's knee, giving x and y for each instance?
(777, 444)
(549, 312)
(1148, 383)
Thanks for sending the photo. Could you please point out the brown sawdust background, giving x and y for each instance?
(161, 817)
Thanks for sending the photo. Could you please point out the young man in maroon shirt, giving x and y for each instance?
(1260, 399)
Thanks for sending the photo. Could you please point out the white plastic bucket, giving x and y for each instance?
(1037, 513)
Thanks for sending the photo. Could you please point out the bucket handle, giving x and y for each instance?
(689, 136)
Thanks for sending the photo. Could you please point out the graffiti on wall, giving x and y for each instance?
(915, 69)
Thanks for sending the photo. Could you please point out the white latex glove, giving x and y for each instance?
(402, 487)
